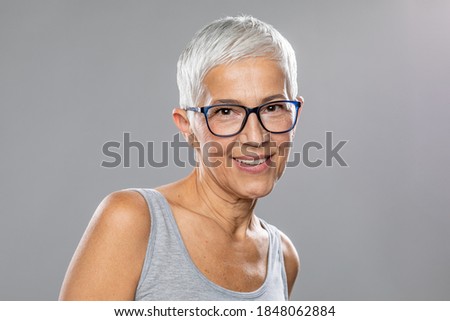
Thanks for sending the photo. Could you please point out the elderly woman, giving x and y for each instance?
(199, 238)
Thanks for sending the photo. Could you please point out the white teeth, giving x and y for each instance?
(252, 162)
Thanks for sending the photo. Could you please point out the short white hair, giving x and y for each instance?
(227, 40)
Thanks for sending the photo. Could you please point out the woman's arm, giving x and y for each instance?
(291, 261)
(108, 261)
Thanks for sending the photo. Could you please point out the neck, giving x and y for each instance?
(232, 213)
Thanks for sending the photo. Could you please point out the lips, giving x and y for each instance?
(251, 162)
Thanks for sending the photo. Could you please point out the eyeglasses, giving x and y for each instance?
(225, 120)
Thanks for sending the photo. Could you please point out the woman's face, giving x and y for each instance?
(248, 164)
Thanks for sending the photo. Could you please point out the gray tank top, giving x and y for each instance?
(168, 273)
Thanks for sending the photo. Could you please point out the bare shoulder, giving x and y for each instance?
(122, 212)
(291, 260)
(108, 260)
(128, 206)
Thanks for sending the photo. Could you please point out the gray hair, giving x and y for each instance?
(227, 40)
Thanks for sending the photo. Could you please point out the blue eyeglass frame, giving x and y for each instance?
(204, 110)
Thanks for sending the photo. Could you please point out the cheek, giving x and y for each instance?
(210, 148)
(284, 144)
(200, 133)
(282, 157)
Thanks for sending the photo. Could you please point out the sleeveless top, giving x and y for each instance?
(169, 274)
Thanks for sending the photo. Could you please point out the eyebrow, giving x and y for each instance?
(237, 102)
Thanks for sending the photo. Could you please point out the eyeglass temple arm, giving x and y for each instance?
(197, 109)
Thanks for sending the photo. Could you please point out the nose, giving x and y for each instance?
(253, 131)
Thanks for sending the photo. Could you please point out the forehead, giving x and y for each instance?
(248, 80)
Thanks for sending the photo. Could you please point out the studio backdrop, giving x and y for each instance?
(365, 197)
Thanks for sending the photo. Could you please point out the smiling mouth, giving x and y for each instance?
(252, 161)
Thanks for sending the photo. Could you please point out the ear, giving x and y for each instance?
(181, 120)
(302, 101)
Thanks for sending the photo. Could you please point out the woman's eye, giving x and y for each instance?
(224, 111)
(273, 108)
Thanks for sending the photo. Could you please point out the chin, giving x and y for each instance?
(255, 190)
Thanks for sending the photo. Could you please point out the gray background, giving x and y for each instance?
(76, 74)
